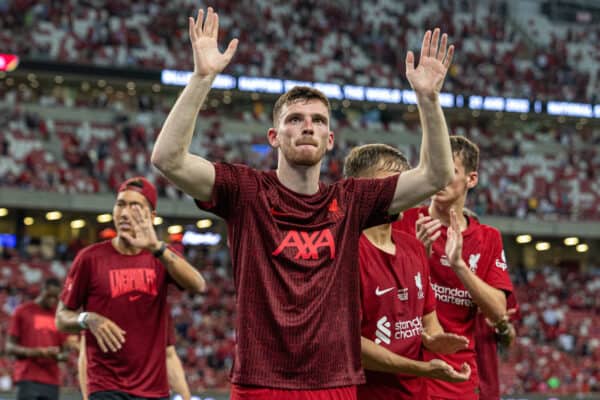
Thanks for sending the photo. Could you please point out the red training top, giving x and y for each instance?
(296, 276)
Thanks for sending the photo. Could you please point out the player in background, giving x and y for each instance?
(37, 345)
(116, 292)
(487, 334)
(293, 239)
(175, 372)
(467, 266)
(397, 303)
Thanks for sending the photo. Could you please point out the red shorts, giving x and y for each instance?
(260, 393)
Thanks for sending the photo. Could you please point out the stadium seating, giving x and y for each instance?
(361, 45)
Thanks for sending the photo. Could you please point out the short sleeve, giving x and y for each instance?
(497, 273)
(233, 184)
(76, 288)
(374, 197)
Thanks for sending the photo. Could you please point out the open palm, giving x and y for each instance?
(454, 241)
(427, 79)
(208, 60)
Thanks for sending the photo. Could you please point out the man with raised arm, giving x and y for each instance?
(116, 291)
(293, 239)
(465, 277)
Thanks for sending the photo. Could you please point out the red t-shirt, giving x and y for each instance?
(486, 350)
(131, 291)
(395, 295)
(296, 276)
(33, 326)
(484, 254)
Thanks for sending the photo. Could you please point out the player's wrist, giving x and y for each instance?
(159, 250)
(428, 99)
(460, 265)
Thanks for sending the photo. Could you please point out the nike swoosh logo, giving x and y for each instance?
(382, 292)
(134, 297)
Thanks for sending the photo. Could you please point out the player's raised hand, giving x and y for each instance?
(436, 57)
(454, 242)
(441, 370)
(445, 343)
(428, 231)
(208, 60)
(108, 334)
(144, 235)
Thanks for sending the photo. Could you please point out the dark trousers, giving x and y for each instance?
(115, 395)
(29, 390)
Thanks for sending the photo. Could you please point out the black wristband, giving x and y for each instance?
(159, 253)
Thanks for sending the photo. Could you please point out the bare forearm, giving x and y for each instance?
(490, 300)
(21, 351)
(82, 366)
(436, 154)
(377, 358)
(182, 272)
(175, 137)
(175, 374)
(66, 320)
(431, 324)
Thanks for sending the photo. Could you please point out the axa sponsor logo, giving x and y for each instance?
(307, 244)
(501, 263)
(136, 281)
(383, 333)
(473, 260)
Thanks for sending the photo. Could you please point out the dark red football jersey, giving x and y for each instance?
(484, 254)
(132, 292)
(295, 269)
(395, 295)
(34, 326)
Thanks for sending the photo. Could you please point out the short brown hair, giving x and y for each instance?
(467, 151)
(364, 161)
(295, 94)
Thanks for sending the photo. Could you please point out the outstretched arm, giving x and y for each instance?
(190, 173)
(435, 169)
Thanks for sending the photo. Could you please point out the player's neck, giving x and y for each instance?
(381, 237)
(300, 179)
(442, 212)
(123, 247)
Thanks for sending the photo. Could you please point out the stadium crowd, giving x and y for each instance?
(349, 43)
(533, 169)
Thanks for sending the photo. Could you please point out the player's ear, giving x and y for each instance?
(273, 138)
(330, 139)
(472, 179)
